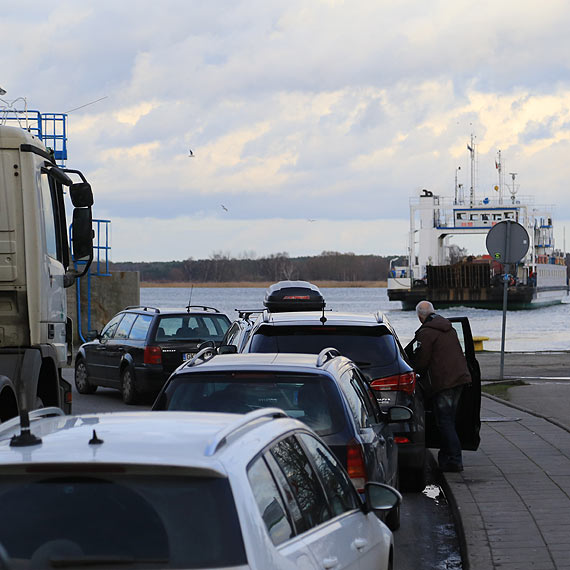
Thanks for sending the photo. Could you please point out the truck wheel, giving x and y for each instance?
(128, 388)
(82, 379)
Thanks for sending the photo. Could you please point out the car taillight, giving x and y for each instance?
(152, 355)
(355, 466)
(405, 382)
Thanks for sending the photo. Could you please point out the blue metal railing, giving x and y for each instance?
(50, 128)
(99, 267)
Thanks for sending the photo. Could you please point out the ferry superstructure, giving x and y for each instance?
(539, 279)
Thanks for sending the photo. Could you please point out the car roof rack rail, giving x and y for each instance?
(221, 437)
(50, 411)
(203, 307)
(246, 313)
(327, 354)
(143, 307)
(379, 316)
(203, 355)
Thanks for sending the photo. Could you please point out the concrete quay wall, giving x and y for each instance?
(109, 294)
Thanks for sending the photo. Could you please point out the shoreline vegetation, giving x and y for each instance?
(259, 284)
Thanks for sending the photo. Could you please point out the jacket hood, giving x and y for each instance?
(437, 322)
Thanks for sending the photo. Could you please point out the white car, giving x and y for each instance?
(182, 490)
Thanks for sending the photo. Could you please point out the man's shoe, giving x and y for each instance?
(451, 468)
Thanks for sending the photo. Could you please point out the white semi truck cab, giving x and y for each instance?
(35, 268)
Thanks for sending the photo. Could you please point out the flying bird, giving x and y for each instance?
(311, 220)
(190, 153)
(224, 208)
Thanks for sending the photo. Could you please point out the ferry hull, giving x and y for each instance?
(518, 298)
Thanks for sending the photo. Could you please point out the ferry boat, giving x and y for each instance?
(431, 273)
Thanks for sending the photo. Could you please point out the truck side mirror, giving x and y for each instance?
(82, 234)
(81, 194)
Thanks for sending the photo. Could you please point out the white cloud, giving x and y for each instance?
(331, 110)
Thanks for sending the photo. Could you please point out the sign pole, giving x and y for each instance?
(505, 295)
(507, 243)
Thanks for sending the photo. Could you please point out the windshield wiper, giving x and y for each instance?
(70, 561)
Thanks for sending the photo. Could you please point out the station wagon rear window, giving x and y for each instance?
(192, 327)
(310, 398)
(119, 520)
(367, 346)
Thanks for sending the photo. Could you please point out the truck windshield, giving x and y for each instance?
(58, 520)
(311, 398)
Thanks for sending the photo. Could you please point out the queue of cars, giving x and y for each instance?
(295, 424)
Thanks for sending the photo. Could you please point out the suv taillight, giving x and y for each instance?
(355, 466)
(405, 382)
(152, 355)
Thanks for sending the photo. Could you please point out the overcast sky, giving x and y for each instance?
(312, 122)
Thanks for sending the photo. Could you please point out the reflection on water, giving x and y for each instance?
(539, 329)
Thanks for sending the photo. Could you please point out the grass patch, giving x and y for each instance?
(501, 389)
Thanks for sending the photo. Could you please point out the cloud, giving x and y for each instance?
(327, 109)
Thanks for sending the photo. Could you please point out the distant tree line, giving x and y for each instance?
(222, 268)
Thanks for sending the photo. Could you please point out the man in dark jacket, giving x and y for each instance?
(439, 353)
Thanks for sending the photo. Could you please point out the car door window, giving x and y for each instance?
(338, 487)
(303, 480)
(125, 325)
(232, 334)
(363, 392)
(140, 327)
(111, 327)
(459, 330)
(269, 502)
(354, 401)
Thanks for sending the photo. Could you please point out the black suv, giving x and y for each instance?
(141, 346)
(368, 340)
(327, 392)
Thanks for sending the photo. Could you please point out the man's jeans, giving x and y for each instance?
(444, 410)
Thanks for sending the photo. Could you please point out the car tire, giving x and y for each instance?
(414, 479)
(128, 387)
(393, 519)
(82, 383)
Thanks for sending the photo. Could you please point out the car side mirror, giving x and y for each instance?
(206, 344)
(399, 414)
(381, 497)
(227, 349)
(92, 334)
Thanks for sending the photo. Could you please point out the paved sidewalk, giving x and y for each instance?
(513, 499)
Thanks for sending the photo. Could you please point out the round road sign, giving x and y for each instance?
(507, 242)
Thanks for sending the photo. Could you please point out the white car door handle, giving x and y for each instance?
(330, 562)
(360, 543)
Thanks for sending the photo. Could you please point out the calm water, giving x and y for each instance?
(540, 329)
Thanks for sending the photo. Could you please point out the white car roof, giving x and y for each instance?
(198, 440)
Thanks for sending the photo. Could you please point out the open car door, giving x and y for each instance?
(468, 419)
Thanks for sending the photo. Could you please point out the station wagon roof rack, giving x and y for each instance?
(327, 354)
(203, 307)
(144, 308)
(221, 437)
(33, 415)
(203, 355)
(246, 313)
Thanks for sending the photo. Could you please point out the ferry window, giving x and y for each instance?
(497, 217)
(461, 215)
(474, 217)
(485, 217)
(48, 214)
(509, 215)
